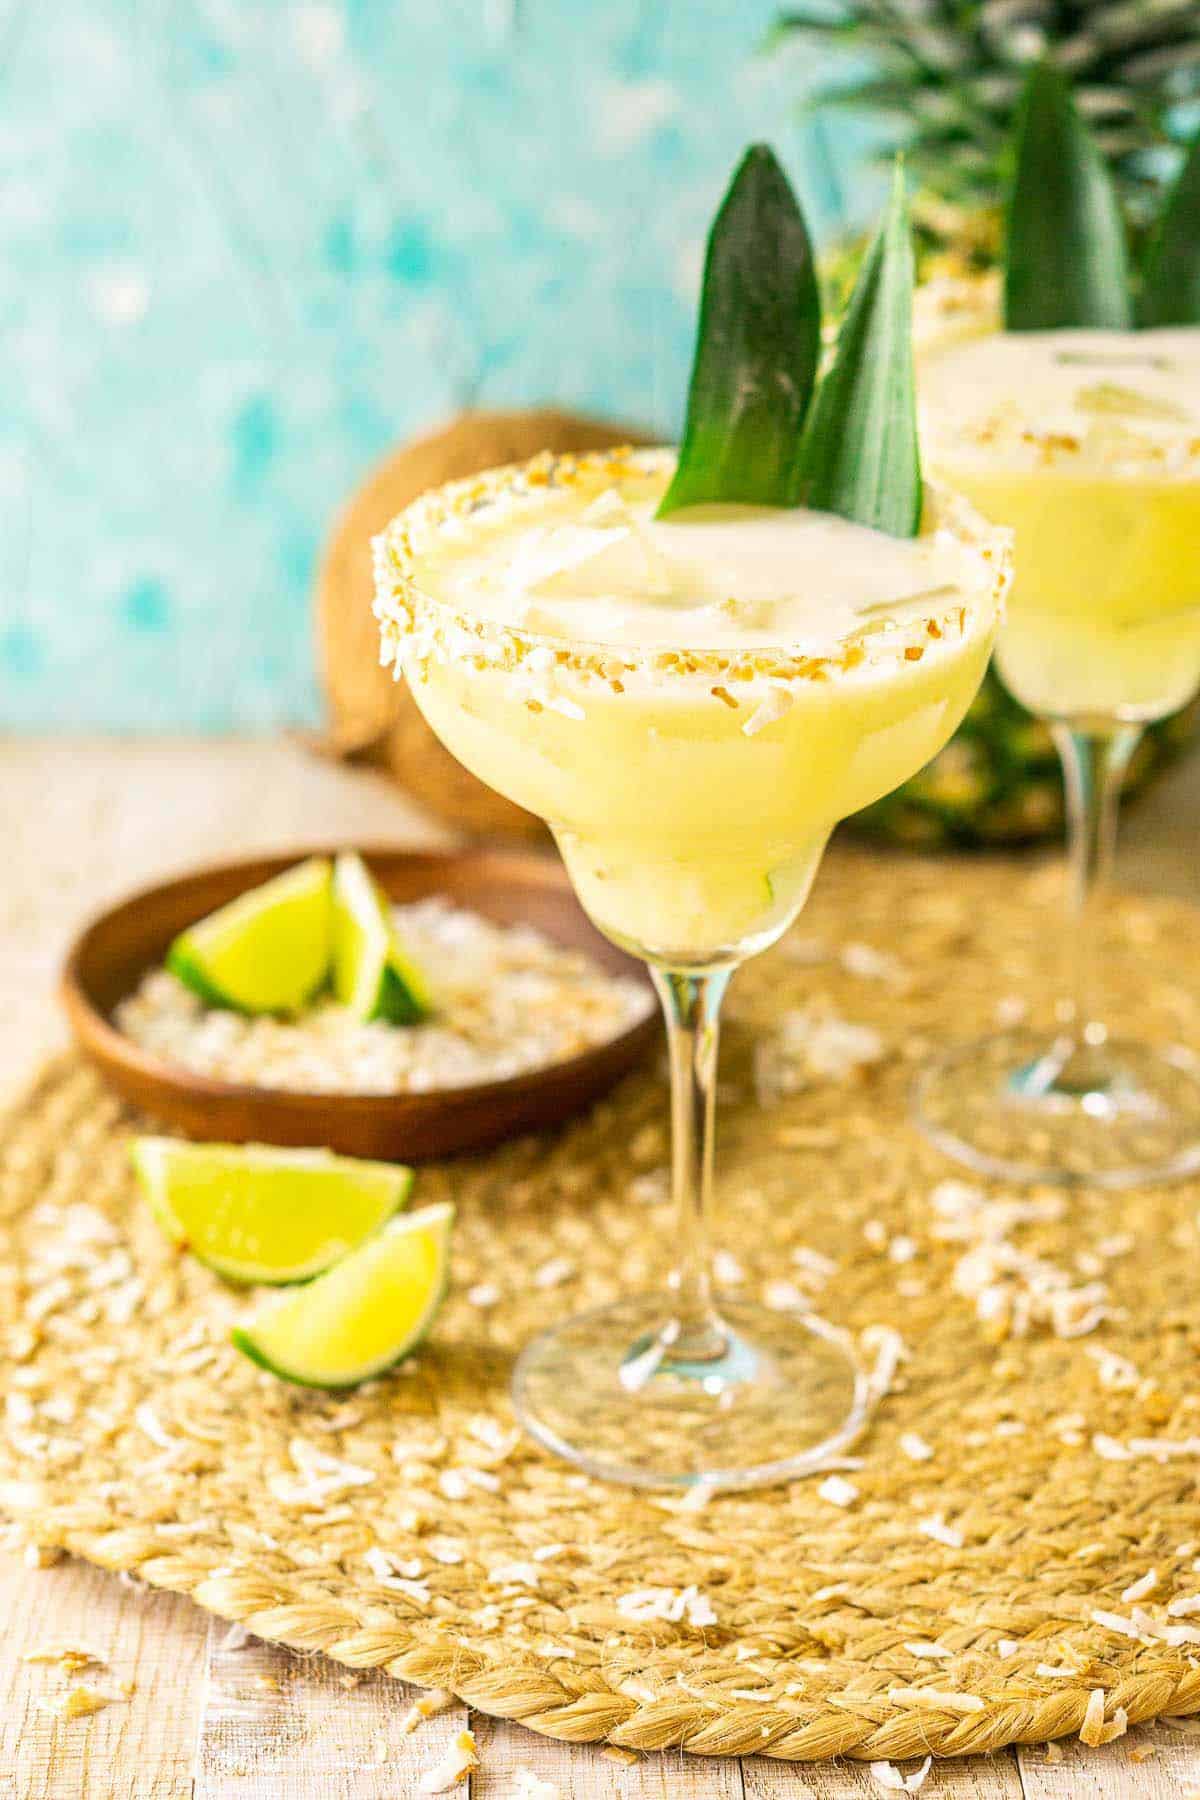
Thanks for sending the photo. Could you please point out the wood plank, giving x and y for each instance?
(276, 1726)
(139, 1748)
(1112, 1773)
(967, 1778)
(585, 1772)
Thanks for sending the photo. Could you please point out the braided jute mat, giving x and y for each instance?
(1023, 1532)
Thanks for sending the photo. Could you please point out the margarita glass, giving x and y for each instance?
(1087, 443)
(692, 705)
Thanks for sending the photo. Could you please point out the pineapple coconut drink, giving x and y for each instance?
(693, 666)
(1081, 432)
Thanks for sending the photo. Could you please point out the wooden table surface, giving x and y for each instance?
(207, 1719)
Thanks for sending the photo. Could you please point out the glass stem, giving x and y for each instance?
(691, 1005)
(1094, 764)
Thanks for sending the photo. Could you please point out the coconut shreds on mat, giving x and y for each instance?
(980, 1567)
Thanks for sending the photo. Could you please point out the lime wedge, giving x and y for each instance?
(372, 973)
(364, 1314)
(268, 950)
(255, 1213)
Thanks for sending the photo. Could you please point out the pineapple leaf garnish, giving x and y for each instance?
(859, 454)
(1171, 288)
(1066, 262)
(757, 347)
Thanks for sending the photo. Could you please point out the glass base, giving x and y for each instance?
(782, 1393)
(1034, 1108)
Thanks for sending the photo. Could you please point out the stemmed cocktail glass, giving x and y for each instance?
(621, 677)
(1086, 443)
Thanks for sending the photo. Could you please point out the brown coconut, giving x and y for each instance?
(371, 715)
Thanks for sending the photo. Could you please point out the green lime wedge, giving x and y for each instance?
(364, 1314)
(268, 950)
(372, 973)
(256, 1213)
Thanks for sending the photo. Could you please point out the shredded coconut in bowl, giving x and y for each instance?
(508, 1000)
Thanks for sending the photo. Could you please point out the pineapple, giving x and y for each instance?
(948, 73)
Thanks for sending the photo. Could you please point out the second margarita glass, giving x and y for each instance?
(1086, 443)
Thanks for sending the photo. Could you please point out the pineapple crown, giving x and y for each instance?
(950, 73)
(1066, 255)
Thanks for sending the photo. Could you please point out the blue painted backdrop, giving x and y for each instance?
(246, 245)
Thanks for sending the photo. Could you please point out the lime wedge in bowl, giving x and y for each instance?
(372, 973)
(268, 950)
(366, 1313)
(259, 1214)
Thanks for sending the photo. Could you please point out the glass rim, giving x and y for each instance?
(448, 508)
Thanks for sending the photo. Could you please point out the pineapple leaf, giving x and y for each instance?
(859, 454)
(757, 347)
(1066, 262)
(1171, 289)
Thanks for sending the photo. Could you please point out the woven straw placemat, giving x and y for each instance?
(1023, 1532)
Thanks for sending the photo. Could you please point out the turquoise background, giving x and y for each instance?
(245, 246)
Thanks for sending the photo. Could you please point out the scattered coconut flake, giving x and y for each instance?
(888, 1348)
(1184, 1606)
(531, 1787)
(42, 1556)
(319, 1476)
(1007, 1647)
(1145, 1584)
(553, 1273)
(1110, 1621)
(926, 1647)
(398, 1574)
(1113, 1371)
(1093, 1730)
(838, 1491)
(515, 1574)
(459, 1762)
(812, 1044)
(1057, 1671)
(888, 1777)
(444, 1549)
(669, 1604)
(1160, 1450)
(938, 1699)
(936, 1528)
(426, 1706)
(76, 1703)
(811, 1263)
(870, 964)
(913, 1445)
(784, 1296)
(727, 1269)
(500, 1439)
(69, 1657)
(483, 1294)
(902, 1249)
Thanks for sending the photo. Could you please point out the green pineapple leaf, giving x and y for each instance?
(859, 454)
(1066, 262)
(1171, 288)
(757, 346)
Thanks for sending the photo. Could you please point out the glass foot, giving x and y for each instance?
(1031, 1108)
(781, 1392)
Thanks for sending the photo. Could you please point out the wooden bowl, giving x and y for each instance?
(110, 957)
